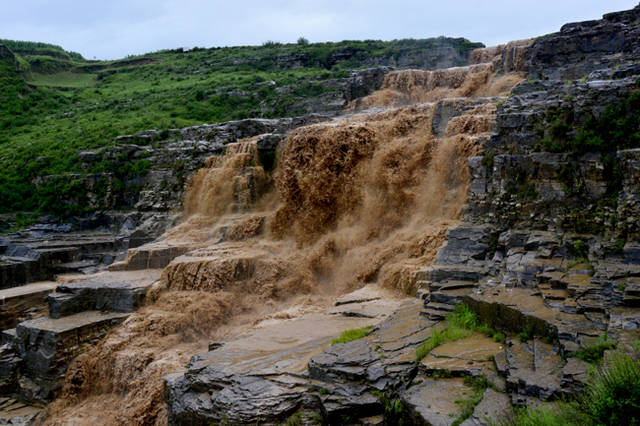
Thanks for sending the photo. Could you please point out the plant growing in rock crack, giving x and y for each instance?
(595, 351)
(461, 323)
(295, 419)
(469, 402)
(392, 406)
(526, 334)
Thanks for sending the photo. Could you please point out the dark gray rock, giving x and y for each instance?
(495, 406)
(47, 346)
(9, 367)
(465, 243)
(112, 292)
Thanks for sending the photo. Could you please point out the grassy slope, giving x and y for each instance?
(54, 103)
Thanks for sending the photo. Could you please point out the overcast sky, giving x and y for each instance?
(109, 29)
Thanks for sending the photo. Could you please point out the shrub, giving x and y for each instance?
(302, 41)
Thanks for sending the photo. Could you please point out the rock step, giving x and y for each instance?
(150, 256)
(450, 297)
(23, 303)
(436, 311)
(76, 266)
(439, 273)
(9, 364)
(553, 295)
(112, 291)
(451, 285)
(47, 346)
(18, 271)
(85, 244)
(433, 315)
(442, 307)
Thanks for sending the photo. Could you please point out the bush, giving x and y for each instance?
(302, 41)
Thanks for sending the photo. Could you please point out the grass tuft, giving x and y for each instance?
(353, 334)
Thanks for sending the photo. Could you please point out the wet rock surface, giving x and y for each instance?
(267, 375)
(113, 292)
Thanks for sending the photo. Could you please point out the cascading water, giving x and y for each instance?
(364, 198)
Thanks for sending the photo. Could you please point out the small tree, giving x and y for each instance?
(303, 41)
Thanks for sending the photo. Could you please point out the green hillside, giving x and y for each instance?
(54, 103)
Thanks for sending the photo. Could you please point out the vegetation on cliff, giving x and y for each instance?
(616, 128)
(54, 103)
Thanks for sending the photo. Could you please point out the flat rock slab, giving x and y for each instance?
(23, 303)
(280, 367)
(280, 348)
(371, 309)
(70, 323)
(365, 294)
(109, 291)
(472, 356)
(432, 401)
